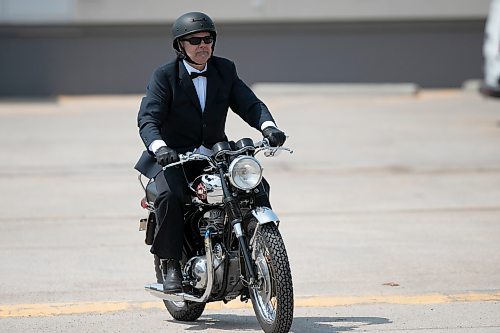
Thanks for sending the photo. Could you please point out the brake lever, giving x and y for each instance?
(183, 158)
(274, 151)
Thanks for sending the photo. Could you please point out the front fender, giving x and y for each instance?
(264, 215)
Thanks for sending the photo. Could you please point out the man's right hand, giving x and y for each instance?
(166, 155)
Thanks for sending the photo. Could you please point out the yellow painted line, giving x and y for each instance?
(56, 309)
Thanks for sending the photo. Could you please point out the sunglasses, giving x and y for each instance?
(197, 40)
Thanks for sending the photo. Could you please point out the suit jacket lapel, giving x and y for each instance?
(187, 85)
(214, 81)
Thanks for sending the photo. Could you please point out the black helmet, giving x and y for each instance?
(190, 23)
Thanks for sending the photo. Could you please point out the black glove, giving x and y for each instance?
(275, 136)
(166, 155)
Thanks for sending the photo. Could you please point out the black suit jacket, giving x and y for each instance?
(171, 110)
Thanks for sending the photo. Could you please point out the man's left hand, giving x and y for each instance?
(275, 137)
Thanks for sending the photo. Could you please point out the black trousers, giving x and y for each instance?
(170, 206)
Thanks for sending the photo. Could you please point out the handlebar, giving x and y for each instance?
(259, 146)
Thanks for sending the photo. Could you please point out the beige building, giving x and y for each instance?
(236, 11)
(111, 46)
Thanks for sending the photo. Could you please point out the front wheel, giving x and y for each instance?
(272, 295)
(182, 311)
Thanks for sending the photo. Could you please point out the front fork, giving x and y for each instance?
(234, 214)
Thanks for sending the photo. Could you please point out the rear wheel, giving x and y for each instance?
(182, 311)
(272, 296)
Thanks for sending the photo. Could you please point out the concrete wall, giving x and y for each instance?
(119, 59)
(55, 47)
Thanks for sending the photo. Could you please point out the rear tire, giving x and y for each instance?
(273, 299)
(181, 311)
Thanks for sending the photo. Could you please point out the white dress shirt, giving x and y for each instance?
(200, 84)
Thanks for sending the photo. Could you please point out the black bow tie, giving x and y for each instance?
(194, 75)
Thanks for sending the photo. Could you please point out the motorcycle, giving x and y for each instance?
(232, 247)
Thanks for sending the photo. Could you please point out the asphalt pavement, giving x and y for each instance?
(390, 209)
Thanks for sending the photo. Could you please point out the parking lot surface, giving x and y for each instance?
(390, 209)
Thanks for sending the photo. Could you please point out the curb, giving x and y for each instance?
(337, 88)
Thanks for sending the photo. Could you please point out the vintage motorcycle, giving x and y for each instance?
(232, 247)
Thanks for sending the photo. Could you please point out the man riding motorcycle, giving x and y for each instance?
(185, 109)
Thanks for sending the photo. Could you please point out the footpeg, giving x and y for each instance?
(156, 289)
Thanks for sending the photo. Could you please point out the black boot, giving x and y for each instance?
(172, 276)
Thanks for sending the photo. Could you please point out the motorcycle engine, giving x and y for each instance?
(196, 269)
(213, 219)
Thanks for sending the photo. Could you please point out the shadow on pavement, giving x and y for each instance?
(300, 324)
(334, 324)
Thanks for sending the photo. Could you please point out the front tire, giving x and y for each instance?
(181, 311)
(272, 299)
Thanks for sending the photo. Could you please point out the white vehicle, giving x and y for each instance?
(491, 52)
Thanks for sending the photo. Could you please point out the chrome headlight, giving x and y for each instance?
(245, 172)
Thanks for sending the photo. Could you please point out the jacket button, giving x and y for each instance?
(204, 125)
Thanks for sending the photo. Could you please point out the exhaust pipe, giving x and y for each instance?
(156, 289)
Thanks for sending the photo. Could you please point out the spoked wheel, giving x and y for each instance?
(184, 310)
(272, 295)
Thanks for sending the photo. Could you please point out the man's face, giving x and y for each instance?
(198, 53)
